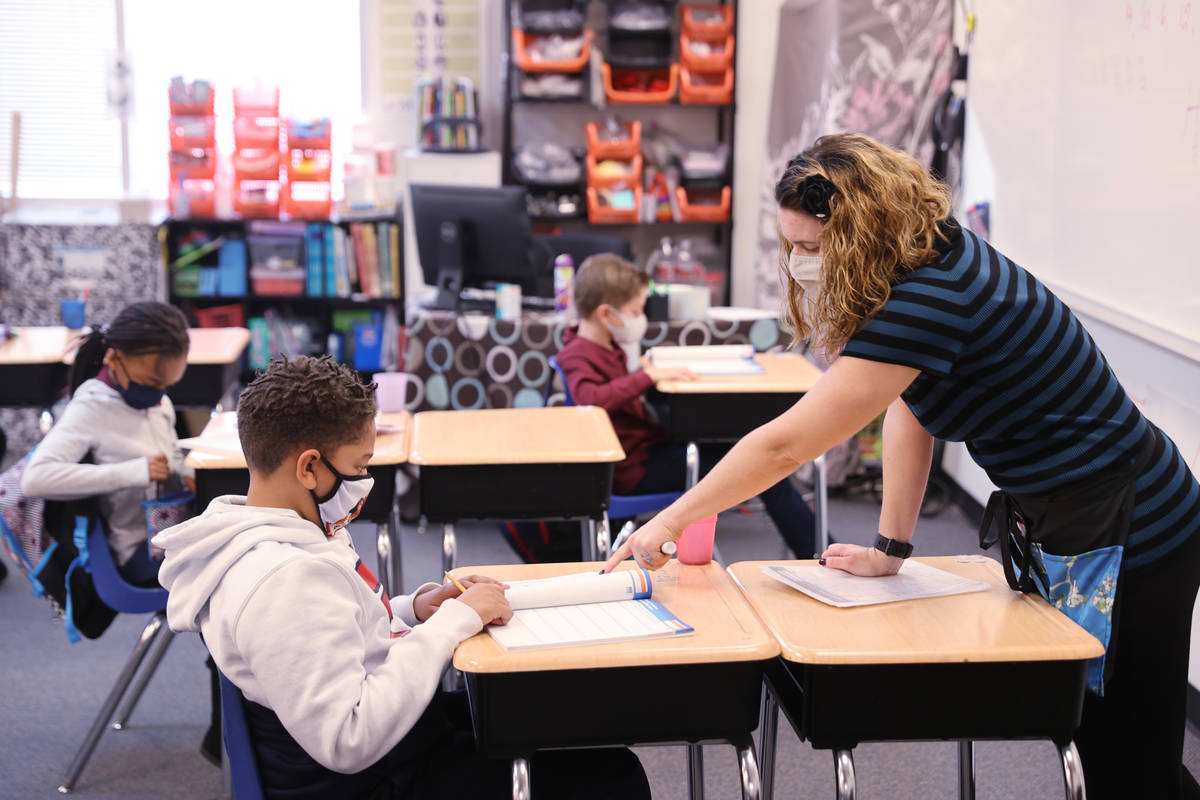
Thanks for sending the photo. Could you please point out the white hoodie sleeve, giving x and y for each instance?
(306, 650)
(55, 473)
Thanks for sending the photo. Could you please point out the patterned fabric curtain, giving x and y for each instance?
(871, 66)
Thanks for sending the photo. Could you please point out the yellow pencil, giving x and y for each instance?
(456, 582)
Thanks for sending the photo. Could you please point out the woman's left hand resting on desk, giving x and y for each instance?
(430, 600)
(859, 560)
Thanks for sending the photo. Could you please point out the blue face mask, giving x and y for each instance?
(139, 395)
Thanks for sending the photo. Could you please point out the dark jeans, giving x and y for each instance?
(1131, 740)
(665, 472)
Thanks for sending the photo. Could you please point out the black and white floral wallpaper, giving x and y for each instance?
(43, 264)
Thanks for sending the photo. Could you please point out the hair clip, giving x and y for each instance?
(814, 193)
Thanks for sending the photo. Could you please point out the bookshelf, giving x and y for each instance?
(299, 286)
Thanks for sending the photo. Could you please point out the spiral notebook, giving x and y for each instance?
(586, 608)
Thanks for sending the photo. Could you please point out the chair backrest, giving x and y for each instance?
(562, 376)
(117, 593)
(243, 767)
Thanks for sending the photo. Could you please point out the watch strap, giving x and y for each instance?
(892, 547)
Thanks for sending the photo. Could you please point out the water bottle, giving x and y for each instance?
(564, 278)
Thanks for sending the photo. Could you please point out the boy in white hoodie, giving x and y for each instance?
(341, 681)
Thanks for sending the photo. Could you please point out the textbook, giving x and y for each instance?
(585, 608)
(835, 587)
(715, 359)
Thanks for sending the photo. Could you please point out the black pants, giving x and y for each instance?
(1131, 740)
(438, 759)
(665, 472)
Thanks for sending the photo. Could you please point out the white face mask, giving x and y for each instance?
(344, 501)
(631, 330)
(805, 270)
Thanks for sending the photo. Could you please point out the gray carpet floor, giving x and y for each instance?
(51, 690)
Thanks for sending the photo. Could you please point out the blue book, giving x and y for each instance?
(368, 346)
(331, 289)
(207, 286)
(231, 269)
(314, 247)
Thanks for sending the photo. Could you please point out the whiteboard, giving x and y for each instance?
(1089, 113)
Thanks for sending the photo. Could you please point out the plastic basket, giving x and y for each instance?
(702, 212)
(625, 148)
(601, 181)
(606, 215)
(710, 63)
(520, 48)
(227, 316)
(692, 26)
(615, 95)
(188, 133)
(694, 87)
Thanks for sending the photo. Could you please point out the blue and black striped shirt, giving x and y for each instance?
(1008, 369)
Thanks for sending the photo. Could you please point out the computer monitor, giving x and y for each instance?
(473, 236)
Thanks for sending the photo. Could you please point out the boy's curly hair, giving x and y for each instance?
(298, 403)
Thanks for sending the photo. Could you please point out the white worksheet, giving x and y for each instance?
(593, 623)
(837, 588)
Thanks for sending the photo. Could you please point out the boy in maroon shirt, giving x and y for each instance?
(610, 297)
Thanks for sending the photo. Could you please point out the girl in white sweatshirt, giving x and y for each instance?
(120, 415)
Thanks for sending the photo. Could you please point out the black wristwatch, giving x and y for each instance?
(891, 547)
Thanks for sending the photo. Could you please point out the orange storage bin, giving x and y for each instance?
(623, 149)
(606, 215)
(251, 134)
(255, 102)
(713, 88)
(257, 200)
(192, 109)
(309, 134)
(692, 24)
(520, 48)
(601, 181)
(703, 212)
(192, 164)
(188, 133)
(201, 199)
(615, 77)
(309, 165)
(256, 165)
(716, 62)
(316, 204)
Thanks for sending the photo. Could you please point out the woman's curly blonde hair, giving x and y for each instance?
(882, 211)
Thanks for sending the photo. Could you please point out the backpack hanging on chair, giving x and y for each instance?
(47, 540)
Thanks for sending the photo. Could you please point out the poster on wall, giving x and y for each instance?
(424, 37)
(855, 65)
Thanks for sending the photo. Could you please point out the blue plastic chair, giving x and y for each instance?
(124, 598)
(243, 767)
(619, 506)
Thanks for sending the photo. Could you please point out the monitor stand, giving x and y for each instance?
(450, 266)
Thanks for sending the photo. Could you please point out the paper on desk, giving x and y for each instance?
(726, 359)
(221, 444)
(593, 623)
(837, 588)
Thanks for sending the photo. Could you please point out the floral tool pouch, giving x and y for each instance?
(1068, 546)
(164, 512)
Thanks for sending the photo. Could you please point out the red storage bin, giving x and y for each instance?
(257, 200)
(600, 181)
(197, 163)
(304, 135)
(520, 48)
(690, 211)
(192, 109)
(618, 77)
(606, 215)
(201, 199)
(249, 133)
(227, 316)
(309, 165)
(192, 133)
(255, 102)
(624, 149)
(692, 25)
(709, 88)
(256, 165)
(315, 202)
(717, 62)
(278, 282)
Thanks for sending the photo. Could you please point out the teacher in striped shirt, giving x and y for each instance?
(954, 340)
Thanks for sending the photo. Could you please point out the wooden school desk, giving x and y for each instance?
(221, 473)
(727, 407)
(214, 359)
(32, 372)
(515, 463)
(705, 687)
(989, 665)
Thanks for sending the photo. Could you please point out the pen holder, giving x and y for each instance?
(695, 546)
(74, 313)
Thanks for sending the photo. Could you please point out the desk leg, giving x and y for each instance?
(520, 779)
(843, 766)
(748, 767)
(1072, 772)
(588, 539)
(692, 475)
(966, 770)
(695, 767)
(768, 739)
(383, 558)
(449, 547)
(821, 502)
(604, 539)
(394, 534)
